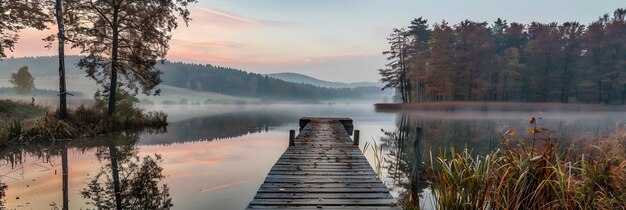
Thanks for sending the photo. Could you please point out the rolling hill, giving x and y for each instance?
(204, 82)
(300, 78)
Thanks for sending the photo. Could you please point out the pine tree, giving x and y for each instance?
(498, 30)
(394, 75)
(419, 52)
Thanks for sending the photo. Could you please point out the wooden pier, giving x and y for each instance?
(323, 168)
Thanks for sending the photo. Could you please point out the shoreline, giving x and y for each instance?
(494, 106)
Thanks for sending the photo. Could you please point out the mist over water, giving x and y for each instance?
(216, 156)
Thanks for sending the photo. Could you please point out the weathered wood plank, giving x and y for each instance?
(322, 190)
(320, 164)
(323, 195)
(324, 185)
(313, 167)
(326, 202)
(320, 180)
(311, 173)
(322, 207)
(320, 177)
(323, 169)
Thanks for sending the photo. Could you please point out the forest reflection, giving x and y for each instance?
(405, 154)
(3, 188)
(124, 181)
(127, 181)
(403, 159)
(222, 126)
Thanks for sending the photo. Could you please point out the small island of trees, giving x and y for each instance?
(509, 62)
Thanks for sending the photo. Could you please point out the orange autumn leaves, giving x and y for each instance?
(534, 130)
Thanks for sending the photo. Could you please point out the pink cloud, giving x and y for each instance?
(227, 185)
(224, 14)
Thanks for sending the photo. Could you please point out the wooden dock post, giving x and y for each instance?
(324, 170)
(417, 152)
(356, 137)
(292, 136)
(417, 162)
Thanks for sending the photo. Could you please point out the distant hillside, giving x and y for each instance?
(300, 78)
(199, 77)
(46, 66)
(236, 82)
(10, 92)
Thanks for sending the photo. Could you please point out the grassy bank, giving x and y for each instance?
(494, 106)
(82, 121)
(532, 173)
(10, 110)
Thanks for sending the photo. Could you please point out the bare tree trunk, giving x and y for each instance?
(402, 92)
(114, 61)
(565, 83)
(506, 75)
(409, 96)
(599, 91)
(417, 78)
(417, 162)
(494, 86)
(469, 86)
(64, 170)
(116, 175)
(61, 47)
(623, 94)
(608, 98)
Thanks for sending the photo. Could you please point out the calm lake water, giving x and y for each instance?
(216, 157)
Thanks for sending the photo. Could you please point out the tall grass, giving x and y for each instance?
(84, 121)
(379, 157)
(531, 174)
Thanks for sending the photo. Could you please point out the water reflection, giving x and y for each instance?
(403, 158)
(64, 169)
(133, 181)
(222, 126)
(3, 188)
(416, 135)
(122, 172)
(203, 172)
(127, 181)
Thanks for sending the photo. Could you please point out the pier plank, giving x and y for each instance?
(323, 169)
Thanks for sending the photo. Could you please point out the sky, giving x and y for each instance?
(335, 40)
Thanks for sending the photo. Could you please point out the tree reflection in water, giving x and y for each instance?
(128, 181)
(3, 188)
(404, 171)
(403, 160)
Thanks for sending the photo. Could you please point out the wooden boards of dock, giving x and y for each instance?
(323, 169)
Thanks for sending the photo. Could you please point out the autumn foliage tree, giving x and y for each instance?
(440, 70)
(537, 62)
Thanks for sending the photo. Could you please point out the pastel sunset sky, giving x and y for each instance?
(337, 40)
